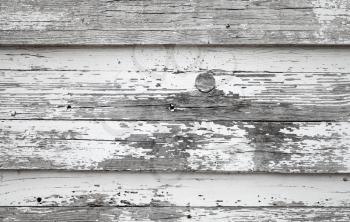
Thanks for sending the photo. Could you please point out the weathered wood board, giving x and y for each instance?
(173, 214)
(40, 188)
(284, 147)
(175, 22)
(140, 83)
(145, 110)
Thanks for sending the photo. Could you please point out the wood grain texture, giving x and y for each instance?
(140, 83)
(287, 147)
(181, 22)
(172, 214)
(42, 188)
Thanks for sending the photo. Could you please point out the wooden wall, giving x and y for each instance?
(159, 110)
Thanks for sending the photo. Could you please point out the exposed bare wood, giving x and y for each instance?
(40, 188)
(175, 22)
(288, 147)
(119, 110)
(173, 214)
(155, 83)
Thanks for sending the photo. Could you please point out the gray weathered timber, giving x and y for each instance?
(68, 189)
(175, 22)
(155, 83)
(172, 214)
(222, 146)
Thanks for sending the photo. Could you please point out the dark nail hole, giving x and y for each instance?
(69, 107)
(345, 179)
(189, 216)
(228, 26)
(38, 199)
(171, 107)
(13, 113)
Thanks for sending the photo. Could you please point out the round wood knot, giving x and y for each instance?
(205, 82)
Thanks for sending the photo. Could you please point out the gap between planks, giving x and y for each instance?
(177, 121)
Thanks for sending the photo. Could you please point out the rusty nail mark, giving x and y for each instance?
(13, 113)
(205, 82)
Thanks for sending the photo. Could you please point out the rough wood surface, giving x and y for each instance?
(40, 188)
(175, 22)
(155, 83)
(287, 147)
(172, 214)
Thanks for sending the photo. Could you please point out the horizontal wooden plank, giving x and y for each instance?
(50, 188)
(284, 147)
(174, 214)
(140, 83)
(180, 22)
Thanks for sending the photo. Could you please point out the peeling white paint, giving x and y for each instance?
(65, 188)
(327, 12)
(228, 146)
